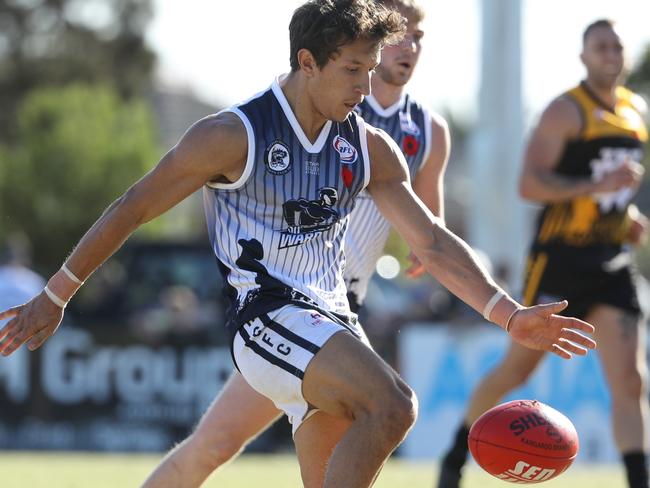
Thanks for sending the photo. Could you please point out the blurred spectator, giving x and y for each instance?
(18, 283)
(176, 311)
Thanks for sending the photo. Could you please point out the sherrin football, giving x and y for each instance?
(523, 441)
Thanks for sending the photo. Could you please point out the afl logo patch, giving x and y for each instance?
(347, 152)
(277, 158)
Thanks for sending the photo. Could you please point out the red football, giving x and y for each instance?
(523, 441)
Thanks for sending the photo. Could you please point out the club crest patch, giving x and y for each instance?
(277, 158)
(347, 152)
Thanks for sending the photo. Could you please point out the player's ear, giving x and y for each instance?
(307, 62)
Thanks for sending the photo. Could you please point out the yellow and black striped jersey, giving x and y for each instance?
(609, 137)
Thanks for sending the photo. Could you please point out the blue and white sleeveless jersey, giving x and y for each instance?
(278, 231)
(409, 124)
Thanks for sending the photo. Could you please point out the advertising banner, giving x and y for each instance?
(443, 363)
(83, 392)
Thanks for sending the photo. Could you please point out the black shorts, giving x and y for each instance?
(583, 276)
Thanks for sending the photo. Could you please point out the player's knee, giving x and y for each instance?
(397, 413)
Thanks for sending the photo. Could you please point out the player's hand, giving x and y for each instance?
(628, 175)
(541, 329)
(35, 321)
(416, 269)
(638, 231)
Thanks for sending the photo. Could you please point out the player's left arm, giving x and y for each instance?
(428, 183)
(638, 223)
(455, 265)
(637, 226)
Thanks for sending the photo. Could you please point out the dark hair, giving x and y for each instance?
(595, 25)
(323, 26)
(411, 7)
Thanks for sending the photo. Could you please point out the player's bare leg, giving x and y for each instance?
(235, 417)
(349, 381)
(313, 456)
(513, 370)
(621, 338)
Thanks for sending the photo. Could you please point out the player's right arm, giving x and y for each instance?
(213, 149)
(456, 266)
(559, 124)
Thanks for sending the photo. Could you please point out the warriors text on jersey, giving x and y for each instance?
(409, 124)
(278, 231)
(609, 138)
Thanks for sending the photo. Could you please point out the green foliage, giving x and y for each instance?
(58, 42)
(76, 150)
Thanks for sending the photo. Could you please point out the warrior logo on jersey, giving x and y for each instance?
(347, 152)
(277, 158)
(308, 218)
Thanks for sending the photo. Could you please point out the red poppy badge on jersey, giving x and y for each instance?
(410, 145)
(347, 176)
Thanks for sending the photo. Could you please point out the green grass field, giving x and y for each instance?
(76, 470)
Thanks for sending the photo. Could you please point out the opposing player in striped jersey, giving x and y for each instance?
(239, 412)
(280, 174)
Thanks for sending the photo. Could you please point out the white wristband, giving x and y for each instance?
(509, 321)
(489, 306)
(55, 299)
(71, 275)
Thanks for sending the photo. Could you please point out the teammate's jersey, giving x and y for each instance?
(278, 231)
(609, 137)
(409, 124)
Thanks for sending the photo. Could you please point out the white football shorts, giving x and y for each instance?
(272, 353)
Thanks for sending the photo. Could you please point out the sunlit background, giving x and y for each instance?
(224, 55)
(93, 92)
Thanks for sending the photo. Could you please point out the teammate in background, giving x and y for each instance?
(582, 163)
(239, 413)
(423, 138)
(294, 338)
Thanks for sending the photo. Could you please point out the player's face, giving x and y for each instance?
(603, 56)
(343, 82)
(399, 61)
